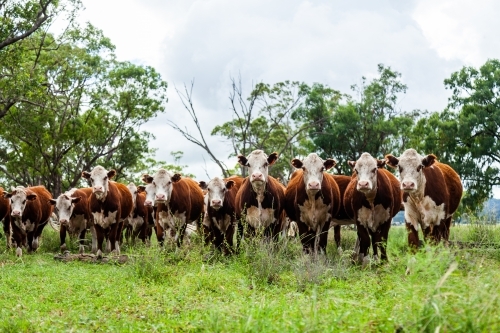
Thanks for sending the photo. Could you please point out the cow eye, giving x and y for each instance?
(105, 178)
(92, 180)
(374, 170)
(170, 182)
(266, 165)
(400, 169)
(322, 169)
(24, 202)
(248, 165)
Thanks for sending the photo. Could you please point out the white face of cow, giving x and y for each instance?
(18, 199)
(162, 187)
(99, 179)
(64, 205)
(366, 172)
(258, 165)
(313, 167)
(149, 189)
(133, 190)
(216, 190)
(410, 166)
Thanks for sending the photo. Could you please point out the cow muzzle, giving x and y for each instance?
(16, 213)
(314, 186)
(364, 186)
(408, 186)
(216, 204)
(148, 203)
(257, 177)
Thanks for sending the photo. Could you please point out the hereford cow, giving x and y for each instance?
(110, 203)
(138, 224)
(261, 197)
(73, 211)
(220, 221)
(30, 211)
(345, 216)
(5, 217)
(178, 200)
(432, 193)
(375, 198)
(312, 198)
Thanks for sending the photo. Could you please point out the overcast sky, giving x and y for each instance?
(330, 42)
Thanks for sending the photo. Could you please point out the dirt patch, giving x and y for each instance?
(92, 258)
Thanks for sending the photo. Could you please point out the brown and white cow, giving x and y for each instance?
(140, 221)
(73, 210)
(312, 198)
(5, 217)
(219, 223)
(178, 200)
(432, 193)
(375, 198)
(345, 215)
(110, 203)
(261, 197)
(30, 211)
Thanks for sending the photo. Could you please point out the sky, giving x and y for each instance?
(330, 42)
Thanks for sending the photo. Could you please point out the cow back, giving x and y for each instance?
(453, 185)
(42, 204)
(87, 191)
(82, 206)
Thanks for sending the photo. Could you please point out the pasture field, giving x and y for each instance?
(264, 288)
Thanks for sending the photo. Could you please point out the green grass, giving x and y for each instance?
(265, 288)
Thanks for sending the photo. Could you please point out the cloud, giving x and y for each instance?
(331, 42)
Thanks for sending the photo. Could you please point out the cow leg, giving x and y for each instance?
(142, 233)
(336, 236)
(29, 237)
(239, 233)
(323, 237)
(81, 247)
(100, 239)
(160, 233)
(384, 234)
(228, 240)
(93, 233)
(19, 239)
(413, 241)
(38, 234)
(114, 236)
(364, 243)
(375, 239)
(306, 237)
(182, 230)
(7, 231)
(62, 237)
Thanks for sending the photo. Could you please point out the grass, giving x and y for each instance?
(264, 288)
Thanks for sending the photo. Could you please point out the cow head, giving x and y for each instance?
(99, 179)
(216, 191)
(149, 190)
(18, 199)
(258, 163)
(64, 205)
(162, 186)
(366, 172)
(410, 166)
(133, 190)
(313, 167)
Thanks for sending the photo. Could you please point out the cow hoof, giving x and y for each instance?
(365, 262)
(411, 264)
(34, 244)
(63, 248)
(19, 252)
(340, 251)
(99, 254)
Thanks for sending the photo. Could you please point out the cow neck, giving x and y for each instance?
(259, 191)
(102, 197)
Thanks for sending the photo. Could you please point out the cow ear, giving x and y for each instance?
(272, 158)
(380, 163)
(111, 173)
(203, 185)
(242, 160)
(141, 188)
(7, 195)
(75, 200)
(329, 163)
(147, 179)
(229, 184)
(297, 163)
(52, 202)
(391, 161)
(31, 197)
(176, 177)
(85, 174)
(352, 164)
(429, 160)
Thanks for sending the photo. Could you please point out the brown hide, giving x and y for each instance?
(296, 195)
(389, 196)
(82, 207)
(274, 198)
(187, 197)
(443, 185)
(345, 215)
(38, 211)
(223, 238)
(5, 216)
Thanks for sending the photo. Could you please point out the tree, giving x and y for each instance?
(347, 127)
(89, 112)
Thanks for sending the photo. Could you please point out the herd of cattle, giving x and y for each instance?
(225, 210)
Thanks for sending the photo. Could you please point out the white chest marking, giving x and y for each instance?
(424, 212)
(105, 221)
(372, 219)
(30, 226)
(172, 221)
(222, 224)
(76, 225)
(259, 217)
(135, 222)
(314, 213)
